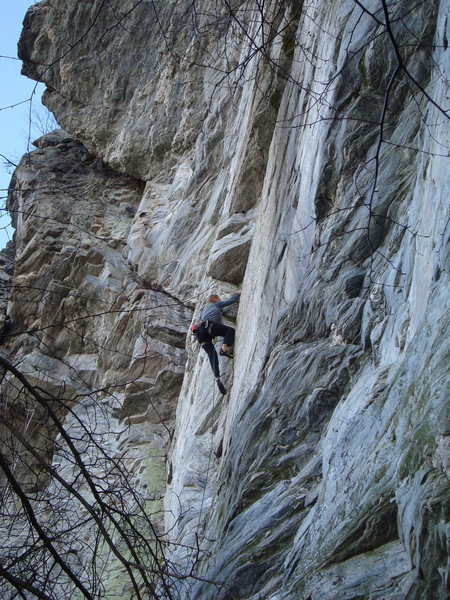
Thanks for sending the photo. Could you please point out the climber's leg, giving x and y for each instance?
(210, 350)
(208, 347)
(228, 334)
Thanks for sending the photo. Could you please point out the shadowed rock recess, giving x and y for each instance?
(297, 151)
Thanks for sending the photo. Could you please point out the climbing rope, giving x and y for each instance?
(208, 468)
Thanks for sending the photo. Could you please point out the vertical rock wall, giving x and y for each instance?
(305, 159)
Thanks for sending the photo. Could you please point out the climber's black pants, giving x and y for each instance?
(210, 350)
(223, 330)
(205, 338)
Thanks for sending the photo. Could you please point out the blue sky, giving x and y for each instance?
(15, 88)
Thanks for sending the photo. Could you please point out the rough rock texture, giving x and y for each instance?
(6, 271)
(305, 161)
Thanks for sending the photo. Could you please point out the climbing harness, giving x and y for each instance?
(202, 331)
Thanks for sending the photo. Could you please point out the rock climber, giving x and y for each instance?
(210, 326)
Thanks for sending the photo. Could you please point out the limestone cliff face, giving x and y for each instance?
(302, 157)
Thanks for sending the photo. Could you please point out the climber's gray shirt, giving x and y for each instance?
(213, 312)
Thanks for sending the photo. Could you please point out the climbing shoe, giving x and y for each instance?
(224, 353)
(221, 387)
